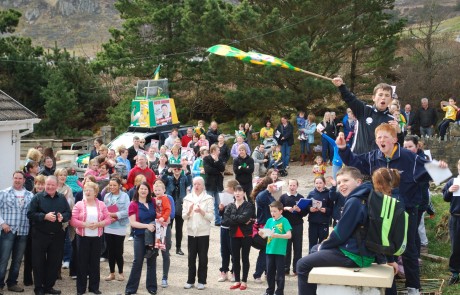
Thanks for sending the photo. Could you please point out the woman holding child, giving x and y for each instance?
(141, 218)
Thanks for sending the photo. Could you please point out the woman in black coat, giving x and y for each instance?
(238, 217)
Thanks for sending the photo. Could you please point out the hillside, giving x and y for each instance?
(78, 25)
(82, 25)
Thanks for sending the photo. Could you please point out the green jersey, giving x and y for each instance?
(276, 245)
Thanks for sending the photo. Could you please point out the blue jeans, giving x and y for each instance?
(426, 131)
(215, 195)
(11, 245)
(165, 253)
(67, 246)
(225, 249)
(285, 153)
(326, 150)
(136, 269)
(261, 264)
(335, 169)
(304, 147)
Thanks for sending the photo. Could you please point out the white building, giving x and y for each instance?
(15, 121)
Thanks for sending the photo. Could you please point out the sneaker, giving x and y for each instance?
(164, 283)
(73, 277)
(223, 277)
(15, 288)
(200, 286)
(412, 291)
(102, 259)
(65, 265)
(179, 252)
(131, 239)
(232, 279)
(258, 280)
(454, 279)
(188, 286)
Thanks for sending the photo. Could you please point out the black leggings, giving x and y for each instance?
(240, 253)
(115, 251)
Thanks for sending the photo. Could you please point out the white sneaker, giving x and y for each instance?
(223, 277)
(164, 283)
(412, 291)
(188, 286)
(199, 286)
(258, 280)
(130, 239)
(102, 259)
(65, 265)
(232, 279)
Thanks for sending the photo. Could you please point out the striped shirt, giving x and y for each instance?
(13, 211)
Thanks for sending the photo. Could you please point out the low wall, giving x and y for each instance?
(447, 150)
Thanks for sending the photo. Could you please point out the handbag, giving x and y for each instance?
(257, 241)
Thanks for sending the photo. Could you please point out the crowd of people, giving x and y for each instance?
(54, 221)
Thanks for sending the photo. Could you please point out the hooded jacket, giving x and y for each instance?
(197, 224)
(354, 214)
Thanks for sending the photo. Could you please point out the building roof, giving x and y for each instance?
(11, 110)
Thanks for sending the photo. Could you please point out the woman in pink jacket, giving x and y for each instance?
(89, 217)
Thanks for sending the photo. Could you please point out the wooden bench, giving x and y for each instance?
(371, 280)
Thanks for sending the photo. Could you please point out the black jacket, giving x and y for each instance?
(42, 204)
(368, 119)
(285, 132)
(243, 169)
(239, 217)
(214, 180)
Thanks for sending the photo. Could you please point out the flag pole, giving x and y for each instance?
(316, 75)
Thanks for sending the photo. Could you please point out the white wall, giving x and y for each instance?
(9, 157)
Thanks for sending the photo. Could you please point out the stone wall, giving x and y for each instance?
(448, 151)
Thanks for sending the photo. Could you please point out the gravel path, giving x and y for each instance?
(178, 270)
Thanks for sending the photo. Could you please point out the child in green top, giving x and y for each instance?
(277, 241)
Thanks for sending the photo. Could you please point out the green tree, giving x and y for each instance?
(9, 20)
(320, 36)
(61, 105)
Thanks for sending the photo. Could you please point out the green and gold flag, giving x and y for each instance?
(257, 58)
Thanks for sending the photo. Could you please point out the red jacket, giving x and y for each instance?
(147, 172)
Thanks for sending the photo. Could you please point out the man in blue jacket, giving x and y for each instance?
(341, 247)
(412, 171)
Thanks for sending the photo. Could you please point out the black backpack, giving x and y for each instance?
(386, 229)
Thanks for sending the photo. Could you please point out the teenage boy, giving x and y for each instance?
(389, 154)
(368, 116)
(454, 225)
(276, 248)
(341, 247)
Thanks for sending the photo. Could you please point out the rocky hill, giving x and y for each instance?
(78, 25)
(82, 25)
